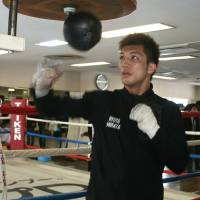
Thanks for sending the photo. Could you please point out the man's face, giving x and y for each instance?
(134, 67)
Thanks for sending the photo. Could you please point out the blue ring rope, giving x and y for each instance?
(181, 177)
(194, 156)
(75, 195)
(56, 138)
(4, 130)
(72, 195)
(7, 130)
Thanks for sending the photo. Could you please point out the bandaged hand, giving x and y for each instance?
(146, 121)
(46, 76)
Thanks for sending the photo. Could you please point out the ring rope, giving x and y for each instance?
(189, 114)
(71, 195)
(45, 152)
(58, 138)
(75, 195)
(195, 156)
(31, 110)
(192, 132)
(193, 142)
(190, 142)
(53, 121)
(3, 173)
(4, 130)
(182, 177)
(59, 122)
(8, 117)
(23, 110)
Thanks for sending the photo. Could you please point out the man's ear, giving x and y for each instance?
(152, 68)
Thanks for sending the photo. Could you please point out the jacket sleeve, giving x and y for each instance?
(57, 106)
(169, 142)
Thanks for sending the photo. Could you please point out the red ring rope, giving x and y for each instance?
(23, 110)
(31, 110)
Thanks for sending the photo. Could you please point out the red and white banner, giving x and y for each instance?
(18, 125)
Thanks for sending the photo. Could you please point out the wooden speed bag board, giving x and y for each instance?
(54, 9)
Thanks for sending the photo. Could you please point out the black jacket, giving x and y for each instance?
(126, 163)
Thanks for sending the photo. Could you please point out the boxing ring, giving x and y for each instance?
(17, 146)
(18, 110)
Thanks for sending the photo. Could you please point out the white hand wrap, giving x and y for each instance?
(45, 77)
(146, 121)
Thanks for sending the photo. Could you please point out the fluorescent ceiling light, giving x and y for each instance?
(195, 83)
(90, 64)
(176, 58)
(52, 43)
(136, 29)
(3, 52)
(164, 77)
(11, 89)
(169, 52)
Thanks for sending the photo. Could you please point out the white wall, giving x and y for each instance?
(174, 89)
(69, 81)
(197, 93)
(80, 82)
(161, 87)
(22, 76)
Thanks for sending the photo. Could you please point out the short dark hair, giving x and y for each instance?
(151, 48)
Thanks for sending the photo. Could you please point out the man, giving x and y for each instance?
(137, 133)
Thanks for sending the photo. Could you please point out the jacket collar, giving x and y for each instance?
(139, 98)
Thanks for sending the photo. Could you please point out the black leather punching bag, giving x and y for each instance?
(82, 30)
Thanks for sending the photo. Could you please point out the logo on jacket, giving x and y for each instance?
(113, 122)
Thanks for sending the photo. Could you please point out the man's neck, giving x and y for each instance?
(138, 90)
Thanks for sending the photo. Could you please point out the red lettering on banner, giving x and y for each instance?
(17, 129)
(18, 126)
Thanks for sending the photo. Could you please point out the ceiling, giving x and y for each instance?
(183, 15)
